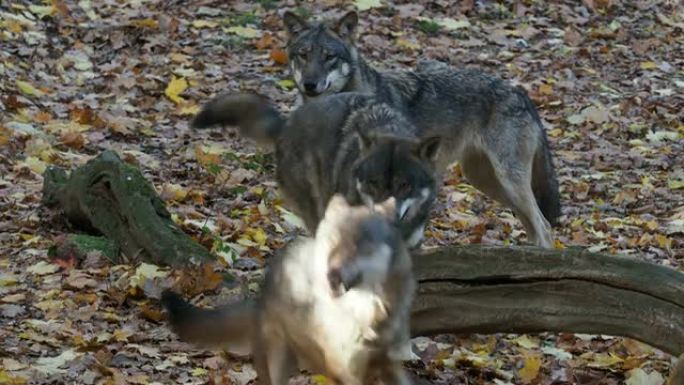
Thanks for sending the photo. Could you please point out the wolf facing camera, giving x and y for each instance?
(490, 127)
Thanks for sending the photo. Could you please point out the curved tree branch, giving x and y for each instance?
(481, 289)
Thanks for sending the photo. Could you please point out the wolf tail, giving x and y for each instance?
(210, 327)
(544, 182)
(256, 117)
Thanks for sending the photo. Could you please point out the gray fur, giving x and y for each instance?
(346, 143)
(491, 128)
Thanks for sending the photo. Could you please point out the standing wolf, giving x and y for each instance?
(491, 128)
(346, 143)
(337, 304)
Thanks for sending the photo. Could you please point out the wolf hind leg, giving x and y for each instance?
(510, 185)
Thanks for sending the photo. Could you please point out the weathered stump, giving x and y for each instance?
(481, 289)
(111, 198)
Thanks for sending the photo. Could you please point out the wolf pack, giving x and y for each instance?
(360, 161)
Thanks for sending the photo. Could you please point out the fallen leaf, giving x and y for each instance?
(42, 268)
(246, 32)
(175, 87)
(648, 65)
(146, 271)
(530, 369)
(638, 376)
(53, 365)
(28, 89)
(364, 5)
(204, 24)
(279, 56)
(13, 298)
(286, 84)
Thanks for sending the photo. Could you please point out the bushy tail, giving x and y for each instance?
(210, 327)
(256, 117)
(544, 182)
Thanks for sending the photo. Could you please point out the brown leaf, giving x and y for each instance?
(73, 139)
(279, 56)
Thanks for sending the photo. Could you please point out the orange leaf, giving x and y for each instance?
(73, 140)
(279, 56)
(265, 42)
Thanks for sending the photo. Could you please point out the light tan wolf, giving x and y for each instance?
(337, 304)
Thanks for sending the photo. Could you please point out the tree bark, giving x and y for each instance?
(482, 289)
(109, 197)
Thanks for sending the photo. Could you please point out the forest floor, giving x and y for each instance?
(79, 77)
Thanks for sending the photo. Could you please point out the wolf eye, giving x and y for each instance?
(403, 187)
(330, 57)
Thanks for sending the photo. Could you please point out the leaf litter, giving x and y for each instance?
(80, 77)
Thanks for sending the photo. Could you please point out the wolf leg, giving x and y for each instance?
(519, 194)
(510, 186)
(273, 359)
(393, 373)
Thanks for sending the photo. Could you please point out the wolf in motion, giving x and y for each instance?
(347, 143)
(490, 127)
(337, 304)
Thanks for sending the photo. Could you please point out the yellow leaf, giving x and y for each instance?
(175, 87)
(28, 89)
(364, 5)
(663, 241)
(34, 164)
(122, 335)
(648, 65)
(145, 23)
(190, 109)
(204, 24)
(403, 43)
(42, 10)
(546, 89)
(258, 235)
(556, 132)
(9, 379)
(674, 184)
(246, 32)
(530, 370)
(602, 360)
(146, 271)
(197, 372)
(286, 84)
(526, 342)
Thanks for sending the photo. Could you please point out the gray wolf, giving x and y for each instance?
(346, 143)
(490, 127)
(337, 304)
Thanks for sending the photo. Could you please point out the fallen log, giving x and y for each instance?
(111, 198)
(485, 289)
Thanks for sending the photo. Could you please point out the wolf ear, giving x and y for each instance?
(346, 26)
(428, 148)
(337, 205)
(293, 23)
(388, 208)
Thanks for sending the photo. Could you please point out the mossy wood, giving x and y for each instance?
(481, 289)
(109, 197)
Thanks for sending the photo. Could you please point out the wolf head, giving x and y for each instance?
(321, 54)
(362, 243)
(403, 168)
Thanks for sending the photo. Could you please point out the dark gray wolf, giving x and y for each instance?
(491, 128)
(337, 304)
(346, 143)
